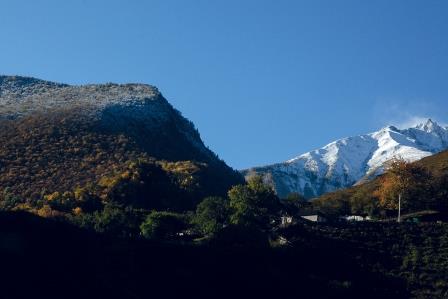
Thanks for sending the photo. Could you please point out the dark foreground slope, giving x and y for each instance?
(413, 254)
(42, 258)
(61, 138)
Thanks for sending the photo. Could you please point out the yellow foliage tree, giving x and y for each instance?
(403, 185)
(77, 211)
(53, 196)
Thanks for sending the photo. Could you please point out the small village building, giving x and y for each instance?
(355, 218)
(315, 218)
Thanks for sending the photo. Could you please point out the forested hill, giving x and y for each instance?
(102, 140)
(437, 164)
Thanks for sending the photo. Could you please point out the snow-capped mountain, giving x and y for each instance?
(351, 160)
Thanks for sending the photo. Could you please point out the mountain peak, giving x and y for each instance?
(428, 126)
(358, 158)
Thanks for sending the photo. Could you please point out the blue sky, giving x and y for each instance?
(262, 80)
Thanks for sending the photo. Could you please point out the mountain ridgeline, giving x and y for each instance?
(352, 160)
(120, 139)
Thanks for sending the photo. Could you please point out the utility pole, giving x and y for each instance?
(399, 207)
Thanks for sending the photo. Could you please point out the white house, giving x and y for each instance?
(315, 218)
(355, 218)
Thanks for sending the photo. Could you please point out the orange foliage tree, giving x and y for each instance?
(407, 180)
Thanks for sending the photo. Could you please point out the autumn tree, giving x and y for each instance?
(405, 185)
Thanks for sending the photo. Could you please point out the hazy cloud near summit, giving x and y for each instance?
(406, 113)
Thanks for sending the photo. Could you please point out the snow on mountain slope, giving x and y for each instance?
(348, 161)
